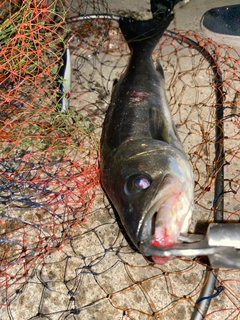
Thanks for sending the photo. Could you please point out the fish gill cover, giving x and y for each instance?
(62, 254)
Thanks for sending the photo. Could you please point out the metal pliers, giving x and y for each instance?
(221, 244)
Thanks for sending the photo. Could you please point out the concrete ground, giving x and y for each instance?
(187, 13)
(97, 275)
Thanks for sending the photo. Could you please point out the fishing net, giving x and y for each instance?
(63, 255)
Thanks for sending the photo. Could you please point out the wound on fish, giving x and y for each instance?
(137, 96)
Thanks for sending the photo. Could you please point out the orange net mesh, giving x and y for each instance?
(48, 161)
(62, 254)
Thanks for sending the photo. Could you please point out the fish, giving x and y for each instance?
(65, 80)
(144, 170)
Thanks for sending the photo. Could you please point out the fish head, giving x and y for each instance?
(150, 184)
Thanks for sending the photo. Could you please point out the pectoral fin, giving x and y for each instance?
(162, 130)
(159, 126)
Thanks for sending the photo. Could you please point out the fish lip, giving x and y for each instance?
(145, 236)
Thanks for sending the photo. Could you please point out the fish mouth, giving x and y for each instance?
(168, 216)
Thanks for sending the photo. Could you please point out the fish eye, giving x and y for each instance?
(142, 182)
(137, 183)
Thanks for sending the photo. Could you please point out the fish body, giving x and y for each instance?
(144, 170)
(65, 80)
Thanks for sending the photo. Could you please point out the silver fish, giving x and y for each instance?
(65, 79)
(144, 169)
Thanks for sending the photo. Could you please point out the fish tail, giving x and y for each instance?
(144, 34)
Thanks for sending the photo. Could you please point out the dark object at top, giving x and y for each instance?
(223, 20)
(160, 8)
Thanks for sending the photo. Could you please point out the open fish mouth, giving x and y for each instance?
(167, 217)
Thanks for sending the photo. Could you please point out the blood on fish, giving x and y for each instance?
(137, 96)
(164, 241)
